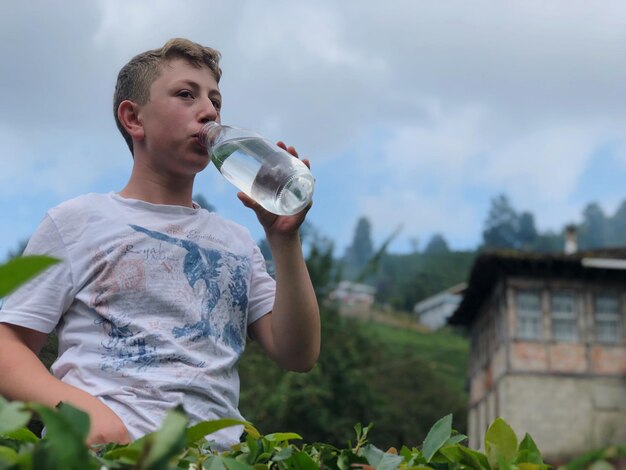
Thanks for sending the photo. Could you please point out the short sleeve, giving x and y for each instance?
(262, 288)
(40, 303)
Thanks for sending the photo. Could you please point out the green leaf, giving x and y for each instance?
(473, 459)
(214, 463)
(457, 438)
(19, 270)
(219, 462)
(282, 436)
(65, 433)
(451, 452)
(7, 455)
(22, 435)
(78, 419)
(503, 464)
(379, 459)
(500, 440)
(437, 437)
(411, 457)
(528, 452)
(283, 454)
(12, 415)
(165, 443)
(232, 464)
(300, 461)
(128, 454)
(532, 466)
(253, 447)
(204, 428)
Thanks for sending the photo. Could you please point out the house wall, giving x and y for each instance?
(585, 355)
(488, 364)
(565, 415)
(570, 396)
(435, 311)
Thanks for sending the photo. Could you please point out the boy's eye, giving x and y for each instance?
(217, 104)
(185, 94)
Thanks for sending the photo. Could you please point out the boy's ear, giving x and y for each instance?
(128, 114)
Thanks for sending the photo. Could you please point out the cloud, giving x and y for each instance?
(434, 107)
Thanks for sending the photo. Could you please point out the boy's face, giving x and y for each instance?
(182, 99)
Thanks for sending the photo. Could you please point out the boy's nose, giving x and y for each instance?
(208, 112)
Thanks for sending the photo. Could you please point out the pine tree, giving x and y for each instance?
(360, 251)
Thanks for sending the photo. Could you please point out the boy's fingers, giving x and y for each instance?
(291, 149)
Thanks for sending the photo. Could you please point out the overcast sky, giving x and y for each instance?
(411, 112)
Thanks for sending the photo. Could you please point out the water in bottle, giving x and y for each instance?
(275, 179)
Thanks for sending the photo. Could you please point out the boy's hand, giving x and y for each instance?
(106, 427)
(278, 225)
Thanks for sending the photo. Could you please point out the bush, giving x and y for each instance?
(176, 445)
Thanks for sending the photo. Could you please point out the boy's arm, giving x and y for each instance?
(290, 334)
(27, 379)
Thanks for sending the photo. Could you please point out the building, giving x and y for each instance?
(352, 293)
(433, 312)
(548, 347)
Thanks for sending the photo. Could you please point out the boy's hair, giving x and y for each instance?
(136, 77)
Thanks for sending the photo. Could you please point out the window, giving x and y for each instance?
(564, 316)
(528, 307)
(606, 316)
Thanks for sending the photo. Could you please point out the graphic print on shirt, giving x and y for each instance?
(214, 281)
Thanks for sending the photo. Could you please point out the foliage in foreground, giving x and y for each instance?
(177, 445)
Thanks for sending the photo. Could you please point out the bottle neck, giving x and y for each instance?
(207, 134)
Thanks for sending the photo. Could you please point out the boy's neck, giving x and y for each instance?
(159, 191)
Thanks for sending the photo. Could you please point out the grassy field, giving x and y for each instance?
(444, 351)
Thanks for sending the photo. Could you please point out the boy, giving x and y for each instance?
(154, 296)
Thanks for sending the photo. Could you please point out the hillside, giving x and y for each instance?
(445, 352)
(404, 280)
(400, 379)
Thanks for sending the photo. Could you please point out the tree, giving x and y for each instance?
(361, 250)
(437, 244)
(502, 224)
(527, 232)
(617, 235)
(594, 229)
(549, 242)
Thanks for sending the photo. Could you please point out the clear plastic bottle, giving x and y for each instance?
(274, 178)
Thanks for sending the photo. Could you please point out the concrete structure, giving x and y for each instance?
(548, 348)
(351, 293)
(434, 311)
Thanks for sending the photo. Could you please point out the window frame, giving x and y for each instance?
(523, 317)
(563, 316)
(611, 321)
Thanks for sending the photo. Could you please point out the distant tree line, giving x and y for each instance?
(405, 279)
(505, 227)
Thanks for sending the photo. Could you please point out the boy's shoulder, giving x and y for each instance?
(81, 200)
(78, 207)
(101, 207)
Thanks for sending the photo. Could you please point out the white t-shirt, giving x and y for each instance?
(151, 304)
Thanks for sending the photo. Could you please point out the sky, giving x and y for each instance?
(413, 114)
